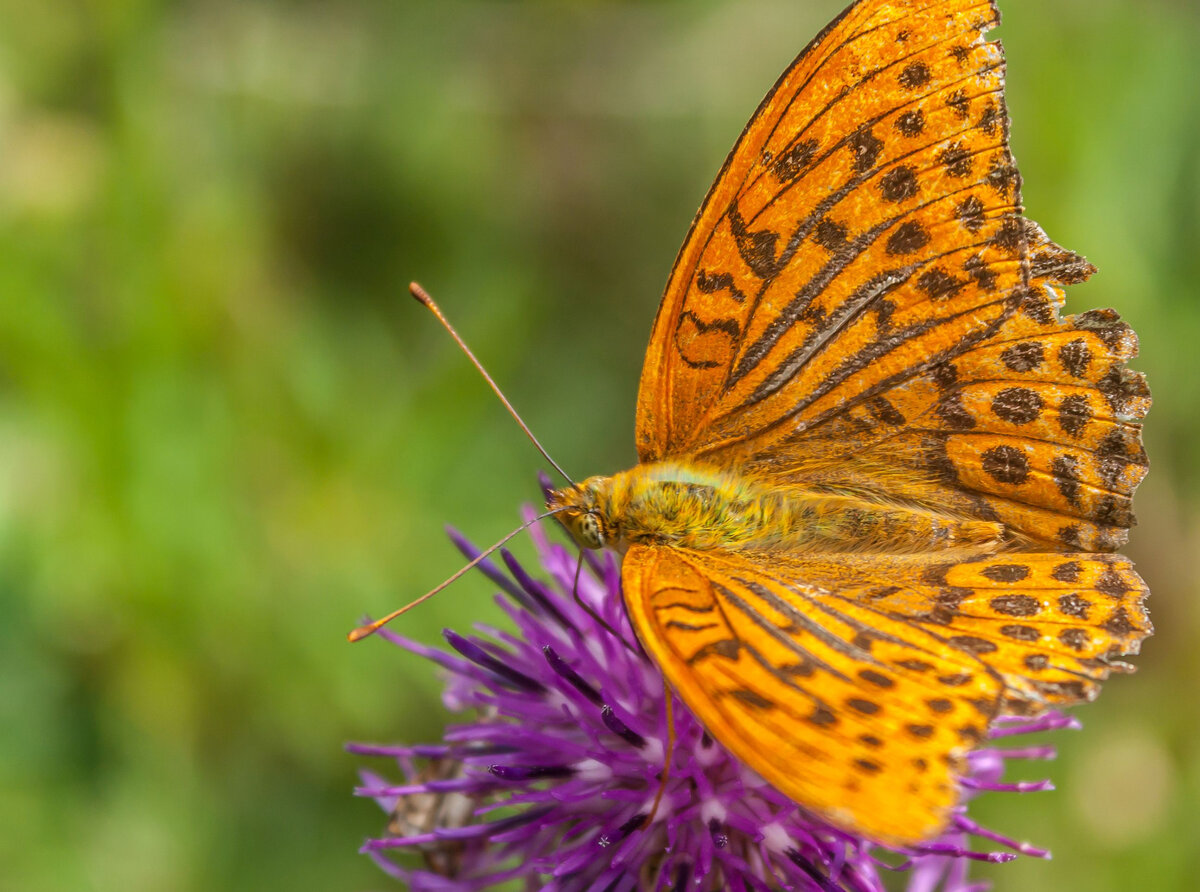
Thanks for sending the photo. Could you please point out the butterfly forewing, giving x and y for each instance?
(860, 282)
(877, 170)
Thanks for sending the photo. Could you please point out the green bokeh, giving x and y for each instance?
(225, 434)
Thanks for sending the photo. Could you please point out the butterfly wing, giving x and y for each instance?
(1036, 427)
(847, 681)
(844, 186)
(859, 297)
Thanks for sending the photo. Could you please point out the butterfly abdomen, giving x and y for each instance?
(686, 506)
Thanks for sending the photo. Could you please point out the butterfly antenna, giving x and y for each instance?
(423, 296)
(371, 628)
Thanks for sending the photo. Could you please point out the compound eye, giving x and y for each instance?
(590, 534)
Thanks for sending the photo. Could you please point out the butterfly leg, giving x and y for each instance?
(587, 608)
(669, 755)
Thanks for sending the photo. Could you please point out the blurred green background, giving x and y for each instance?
(226, 434)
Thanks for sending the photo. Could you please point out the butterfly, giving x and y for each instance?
(881, 480)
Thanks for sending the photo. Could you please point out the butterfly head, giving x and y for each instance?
(581, 509)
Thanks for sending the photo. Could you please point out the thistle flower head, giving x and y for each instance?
(552, 779)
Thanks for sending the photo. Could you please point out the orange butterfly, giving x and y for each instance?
(880, 478)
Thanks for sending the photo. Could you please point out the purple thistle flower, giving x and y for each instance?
(552, 779)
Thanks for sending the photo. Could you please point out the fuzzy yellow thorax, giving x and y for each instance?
(691, 506)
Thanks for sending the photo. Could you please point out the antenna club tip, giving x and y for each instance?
(419, 293)
(360, 633)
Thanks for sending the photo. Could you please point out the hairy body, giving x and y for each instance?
(688, 505)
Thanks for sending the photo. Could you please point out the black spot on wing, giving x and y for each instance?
(953, 414)
(1010, 237)
(1074, 413)
(957, 160)
(1017, 405)
(1074, 605)
(865, 147)
(888, 414)
(1006, 464)
(914, 75)
(959, 104)
(991, 119)
(911, 123)
(937, 284)
(898, 184)
(793, 162)
(752, 698)
(1068, 571)
(830, 235)
(972, 644)
(726, 647)
(1065, 472)
(1075, 357)
(970, 213)
(1024, 356)
(1006, 572)
(756, 248)
(711, 283)
(909, 237)
(1003, 177)
(694, 339)
(1076, 639)
(1016, 605)
(862, 705)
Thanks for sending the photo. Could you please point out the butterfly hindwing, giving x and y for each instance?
(1037, 428)
(847, 680)
(838, 710)
(1051, 626)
